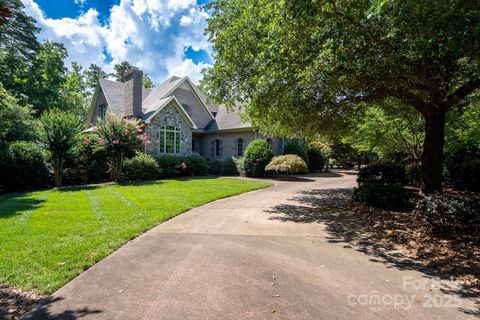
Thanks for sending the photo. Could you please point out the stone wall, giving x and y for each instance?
(168, 116)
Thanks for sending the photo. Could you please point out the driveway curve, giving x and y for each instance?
(279, 253)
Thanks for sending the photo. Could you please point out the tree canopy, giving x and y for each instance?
(305, 66)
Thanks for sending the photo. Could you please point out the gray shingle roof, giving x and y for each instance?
(154, 98)
(228, 119)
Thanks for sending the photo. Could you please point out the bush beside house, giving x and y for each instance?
(286, 164)
(141, 167)
(257, 155)
(295, 148)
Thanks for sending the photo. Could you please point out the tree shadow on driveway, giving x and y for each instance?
(331, 207)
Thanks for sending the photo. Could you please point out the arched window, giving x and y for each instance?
(240, 145)
(169, 139)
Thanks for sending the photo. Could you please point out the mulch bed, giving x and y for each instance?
(14, 303)
(459, 257)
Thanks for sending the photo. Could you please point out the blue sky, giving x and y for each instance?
(162, 37)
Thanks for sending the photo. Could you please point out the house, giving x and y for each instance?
(178, 120)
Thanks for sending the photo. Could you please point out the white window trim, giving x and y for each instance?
(175, 130)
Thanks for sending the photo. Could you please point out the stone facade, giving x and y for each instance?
(168, 116)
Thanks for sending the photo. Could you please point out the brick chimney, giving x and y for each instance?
(133, 91)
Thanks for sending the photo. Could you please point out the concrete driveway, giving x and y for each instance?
(280, 253)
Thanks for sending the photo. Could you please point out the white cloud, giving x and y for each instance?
(150, 34)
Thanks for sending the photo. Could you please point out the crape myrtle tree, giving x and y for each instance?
(304, 66)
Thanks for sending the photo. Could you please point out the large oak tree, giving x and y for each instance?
(309, 65)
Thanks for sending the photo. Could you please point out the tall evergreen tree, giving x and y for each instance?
(93, 74)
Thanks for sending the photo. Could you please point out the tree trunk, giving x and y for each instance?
(57, 171)
(432, 157)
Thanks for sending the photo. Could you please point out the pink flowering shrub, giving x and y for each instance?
(119, 137)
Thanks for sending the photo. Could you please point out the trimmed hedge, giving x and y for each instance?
(179, 165)
(380, 184)
(316, 160)
(382, 195)
(24, 167)
(216, 167)
(229, 167)
(382, 172)
(287, 164)
(294, 148)
(450, 214)
(257, 155)
(141, 167)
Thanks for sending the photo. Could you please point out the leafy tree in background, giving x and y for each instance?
(74, 95)
(305, 66)
(60, 133)
(147, 82)
(120, 69)
(5, 13)
(18, 47)
(16, 121)
(48, 77)
(92, 75)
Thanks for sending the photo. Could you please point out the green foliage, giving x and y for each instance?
(450, 214)
(229, 167)
(295, 148)
(119, 138)
(462, 167)
(178, 165)
(240, 164)
(316, 160)
(286, 164)
(382, 195)
(60, 134)
(389, 128)
(380, 184)
(257, 155)
(141, 167)
(216, 167)
(120, 69)
(382, 172)
(147, 82)
(16, 121)
(92, 75)
(24, 167)
(308, 67)
(344, 155)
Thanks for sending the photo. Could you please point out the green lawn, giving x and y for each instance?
(49, 237)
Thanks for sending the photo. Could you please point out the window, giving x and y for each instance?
(169, 139)
(186, 108)
(102, 111)
(218, 148)
(240, 145)
(194, 144)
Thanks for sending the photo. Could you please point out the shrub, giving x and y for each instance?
(382, 195)
(381, 185)
(198, 165)
(168, 164)
(287, 164)
(229, 167)
(257, 155)
(24, 167)
(240, 164)
(450, 214)
(413, 174)
(462, 168)
(294, 148)
(85, 165)
(382, 172)
(344, 155)
(324, 148)
(216, 167)
(177, 165)
(316, 160)
(141, 167)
